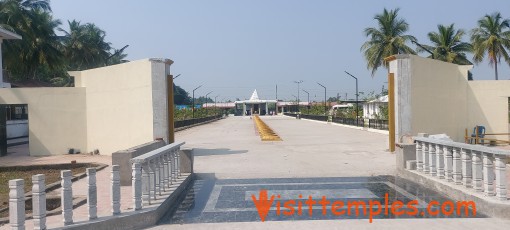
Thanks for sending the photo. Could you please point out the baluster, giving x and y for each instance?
(17, 204)
(432, 159)
(488, 175)
(500, 178)
(176, 165)
(448, 155)
(137, 186)
(115, 190)
(157, 177)
(153, 184)
(440, 161)
(170, 168)
(178, 153)
(425, 155)
(91, 193)
(457, 166)
(477, 170)
(146, 183)
(39, 201)
(419, 159)
(466, 168)
(165, 170)
(66, 196)
(161, 174)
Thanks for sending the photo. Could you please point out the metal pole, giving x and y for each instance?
(215, 107)
(193, 106)
(298, 82)
(357, 109)
(206, 107)
(325, 108)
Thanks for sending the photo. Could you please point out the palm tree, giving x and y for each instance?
(386, 40)
(38, 50)
(85, 46)
(492, 37)
(448, 45)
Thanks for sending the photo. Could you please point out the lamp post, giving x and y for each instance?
(308, 99)
(298, 82)
(193, 106)
(215, 108)
(177, 76)
(357, 109)
(206, 107)
(325, 108)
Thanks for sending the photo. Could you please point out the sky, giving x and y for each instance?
(232, 47)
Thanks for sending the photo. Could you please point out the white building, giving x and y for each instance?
(254, 105)
(372, 109)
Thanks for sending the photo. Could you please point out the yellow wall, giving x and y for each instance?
(56, 116)
(435, 97)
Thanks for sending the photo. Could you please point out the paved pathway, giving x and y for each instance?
(232, 163)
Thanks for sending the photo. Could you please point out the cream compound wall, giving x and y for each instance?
(436, 97)
(57, 117)
(109, 109)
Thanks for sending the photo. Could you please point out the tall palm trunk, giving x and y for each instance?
(496, 69)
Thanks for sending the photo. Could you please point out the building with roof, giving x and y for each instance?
(372, 109)
(5, 35)
(253, 106)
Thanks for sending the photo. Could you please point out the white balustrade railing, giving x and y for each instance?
(152, 174)
(473, 166)
(159, 169)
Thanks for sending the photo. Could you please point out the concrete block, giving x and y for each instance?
(405, 152)
(186, 161)
(121, 158)
(411, 165)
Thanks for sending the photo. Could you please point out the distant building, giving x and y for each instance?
(372, 109)
(253, 106)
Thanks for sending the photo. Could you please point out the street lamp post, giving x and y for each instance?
(357, 108)
(325, 108)
(215, 108)
(207, 107)
(308, 110)
(298, 82)
(193, 106)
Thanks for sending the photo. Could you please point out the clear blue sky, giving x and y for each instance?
(235, 46)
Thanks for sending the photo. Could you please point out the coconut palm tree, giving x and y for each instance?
(387, 39)
(85, 46)
(39, 48)
(448, 46)
(491, 38)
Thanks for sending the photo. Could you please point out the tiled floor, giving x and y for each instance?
(213, 200)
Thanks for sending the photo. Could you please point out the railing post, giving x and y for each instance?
(425, 155)
(466, 168)
(161, 171)
(67, 196)
(440, 161)
(165, 170)
(419, 158)
(153, 184)
(174, 165)
(488, 175)
(115, 192)
(432, 159)
(477, 171)
(137, 186)
(448, 154)
(92, 193)
(17, 204)
(146, 183)
(501, 178)
(170, 168)
(39, 201)
(178, 153)
(457, 166)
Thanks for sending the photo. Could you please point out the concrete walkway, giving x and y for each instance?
(231, 149)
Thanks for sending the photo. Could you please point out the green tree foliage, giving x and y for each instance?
(44, 56)
(448, 46)
(491, 38)
(387, 39)
(181, 97)
(37, 55)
